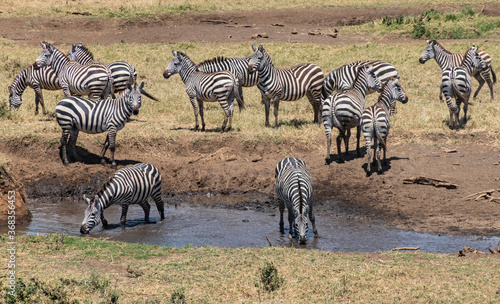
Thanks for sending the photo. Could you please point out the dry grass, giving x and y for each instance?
(173, 116)
(150, 8)
(94, 270)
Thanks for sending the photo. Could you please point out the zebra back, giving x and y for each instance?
(237, 66)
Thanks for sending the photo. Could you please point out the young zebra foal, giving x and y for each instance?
(375, 122)
(133, 185)
(344, 111)
(222, 86)
(38, 79)
(294, 188)
(457, 82)
(75, 114)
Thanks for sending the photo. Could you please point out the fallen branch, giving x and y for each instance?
(405, 248)
(429, 181)
(80, 13)
(269, 241)
(484, 195)
(493, 250)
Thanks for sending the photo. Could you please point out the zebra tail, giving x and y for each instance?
(238, 93)
(109, 90)
(493, 75)
(335, 121)
(458, 93)
(148, 95)
(380, 138)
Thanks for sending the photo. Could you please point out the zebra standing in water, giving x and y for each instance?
(344, 111)
(237, 66)
(288, 84)
(133, 185)
(38, 79)
(375, 121)
(76, 79)
(75, 114)
(457, 82)
(294, 188)
(445, 59)
(222, 86)
(342, 79)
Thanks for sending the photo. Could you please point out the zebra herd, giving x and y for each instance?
(338, 100)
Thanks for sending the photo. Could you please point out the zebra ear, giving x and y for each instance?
(261, 48)
(141, 85)
(86, 199)
(174, 53)
(43, 44)
(79, 44)
(129, 86)
(254, 48)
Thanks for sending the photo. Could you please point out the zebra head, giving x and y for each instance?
(476, 60)
(257, 59)
(301, 226)
(134, 96)
(174, 66)
(372, 81)
(92, 215)
(73, 52)
(15, 100)
(46, 55)
(396, 92)
(429, 51)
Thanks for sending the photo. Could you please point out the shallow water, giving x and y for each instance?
(197, 226)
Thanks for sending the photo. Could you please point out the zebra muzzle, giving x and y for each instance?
(166, 74)
(83, 229)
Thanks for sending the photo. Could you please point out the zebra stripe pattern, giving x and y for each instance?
(375, 121)
(38, 79)
(133, 185)
(344, 111)
(294, 188)
(75, 114)
(122, 72)
(342, 79)
(288, 84)
(220, 86)
(446, 59)
(76, 79)
(457, 83)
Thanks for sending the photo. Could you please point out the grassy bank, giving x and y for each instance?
(61, 269)
(172, 117)
(151, 8)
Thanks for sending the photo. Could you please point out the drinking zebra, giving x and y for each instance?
(288, 84)
(294, 188)
(342, 79)
(375, 121)
(133, 185)
(75, 114)
(222, 86)
(237, 66)
(446, 59)
(457, 82)
(38, 79)
(76, 79)
(344, 111)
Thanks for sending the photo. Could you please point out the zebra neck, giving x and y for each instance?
(442, 57)
(21, 82)
(187, 70)
(59, 61)
(467, 64)
(384, 100)
(360, 86)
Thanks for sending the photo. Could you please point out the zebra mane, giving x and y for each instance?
(102, 187)
(187, 57)
(301, 205)
(214, 60)
(86, 50)
(434, 42)
(383, 85)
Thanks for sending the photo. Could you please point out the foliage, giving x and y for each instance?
(178, 297)
(269, 277)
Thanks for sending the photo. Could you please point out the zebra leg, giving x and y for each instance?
(358, 134)
(39, 100)
(282, 209)
(379, 163)
(200, 103)
(313, 220)
(316, 104)
(453, 109)
(159, 204)
(146, 207)
(339, 141)
(466, 107)
(72, 143)
(328, 146)
(267, 104)
(346, 141)
(481, 81)
(112, 145)
(104, 149)
(123, 218)
(368, 144)
(194, 103)
(276, 108)
(64, 142)
(103, 220)
(291, 219)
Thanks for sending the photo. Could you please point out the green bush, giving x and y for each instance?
(269, 277)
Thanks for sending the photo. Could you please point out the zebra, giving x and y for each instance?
(446, 59)
(132, 185)
(288, 84)
(237, 66)
(75, 114)
(342, 79)
(375, 121)
(38, 79)
(344, 111)
(457, 82)
(294, 188)
(122, 72)
(76, 79)
(222, 86)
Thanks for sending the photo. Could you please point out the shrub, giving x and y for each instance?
(269, 277)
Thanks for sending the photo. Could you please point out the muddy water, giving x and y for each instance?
(187, 225)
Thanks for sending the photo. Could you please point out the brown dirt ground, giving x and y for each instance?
(223, 165)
